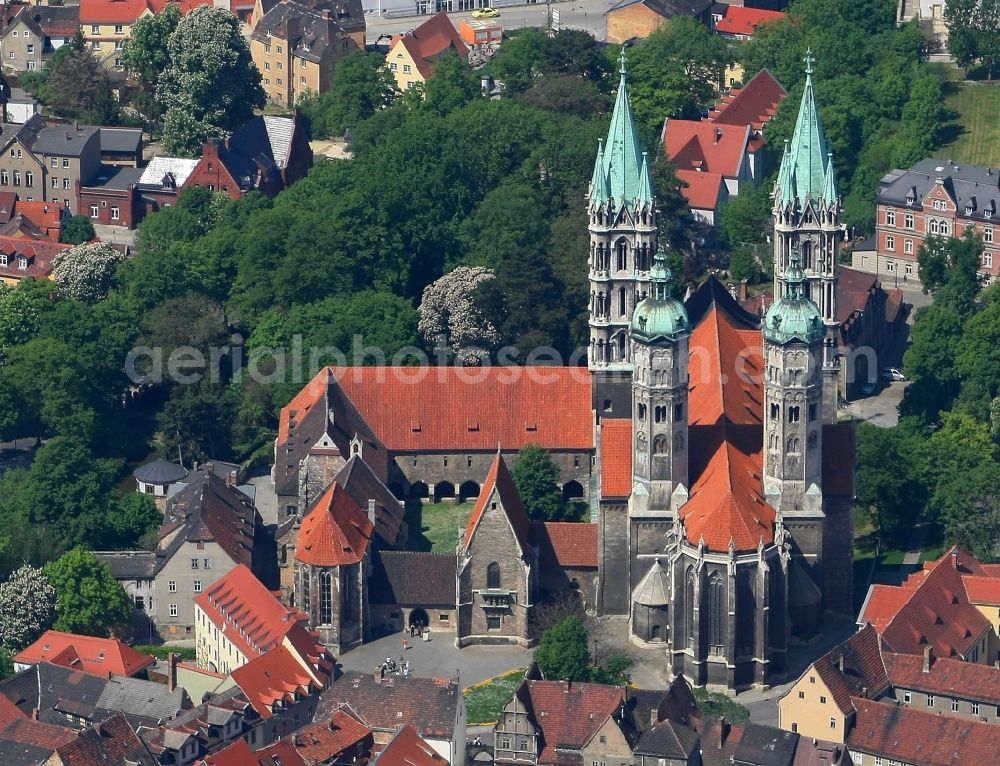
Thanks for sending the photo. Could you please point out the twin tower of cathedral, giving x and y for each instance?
(736, 533)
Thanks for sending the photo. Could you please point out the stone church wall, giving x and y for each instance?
(838, 557)
(613, 554)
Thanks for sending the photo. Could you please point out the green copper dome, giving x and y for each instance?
(659, 315)
(794, 317)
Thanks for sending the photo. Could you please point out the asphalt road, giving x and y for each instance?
(577, 14)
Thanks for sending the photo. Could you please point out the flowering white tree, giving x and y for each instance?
(27, 607)
(448, 309)
(86, 272)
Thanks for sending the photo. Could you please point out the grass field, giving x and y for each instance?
(434, 526)
(483, 703)
(974, 135)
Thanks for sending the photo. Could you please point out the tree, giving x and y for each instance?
(361, 86)
(86, 272)
(743, 265)
(78, 229)
(90, 601)
(448, 310)
(974, 32)
(78, 87)
(453, 85)
(27, 607)
(949, 270)
(562, 653)
(18, 317)
(145, 54)
(930, 362)
(888, 482)
(746, 219)
(210, 86)
(536, 478)
(531, 55)
(566, 94)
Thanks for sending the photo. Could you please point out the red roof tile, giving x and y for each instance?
(430, 40)
(46, 216)
(571, 545)
(407, 748)
(456, 408)
(97, 656)
(703, 190)
(335, 532)
(240, 754)
(754, 104)
(853, 290)
(573, 712)
(110, 742)
(882, 604)
(726, 433)
(853, 667)
(254, 619)
(500, 484)
(128, 11)
(21, 733)
(913, 736)
(706, 146)
(983, 590)
(39, 255)
(324, 740)
(953, 678)
(274, 676)
(616, 457)
(740, 20)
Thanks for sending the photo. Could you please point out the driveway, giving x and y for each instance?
(880, 409)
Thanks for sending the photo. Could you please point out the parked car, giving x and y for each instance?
(485, 13)
(891, 373)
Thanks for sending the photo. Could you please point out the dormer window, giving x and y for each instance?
(22, 263)
(3, 259)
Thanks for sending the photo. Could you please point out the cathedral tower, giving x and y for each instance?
(659, 334)
(794, 334)
(622, 213)
(806, 216)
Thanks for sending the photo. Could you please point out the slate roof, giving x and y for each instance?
(26, 742)
(951, 678)
(114, 178)
(430, 705)
(334, 532)
(271, 677)
(48, 20)
(965, 183)
(308, 33)
(25, 132)
(854, 668)
(616, 457)
(500, 484)
(111, 743)
(208, 509)
(63, 140)
(407, 748)
(413, 578)
(564, 544)
(361, 483)
(323, 740)
(56, 692)
(120, 139)
(129, 565)
(747, 743)
(97, 656)
(144, 699)
(160, 471)
(429, 41)
(909, 735)
(178, 169)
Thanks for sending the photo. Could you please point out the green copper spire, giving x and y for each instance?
(659, 316)
(599, 181)
(794, 317)
(803, 173)
(644, 195)
(622, 162)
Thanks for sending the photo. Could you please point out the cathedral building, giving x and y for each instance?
(720, 488)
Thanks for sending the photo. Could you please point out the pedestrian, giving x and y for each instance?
(406, 645)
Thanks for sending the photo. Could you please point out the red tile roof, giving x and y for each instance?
(726, 433)
(570, 545)
(913, 736)
(936, 611)
(754, 104)
(111, 742)
(706, 146)
(97, 656)
(882, 604)
(500, 484)
(573, 712)
(240, 754)
(128, 11)
(853, 290)
(254, 620)
(271, 677)
(703, 190)
(429, 41)
(39, 255)
(740, 20)
(45, 216)
(983, 589)
(324, 740)
(335, 532)
(616, 457)
(853, 668)
(407, 748)
(954, 678)
(24, 735)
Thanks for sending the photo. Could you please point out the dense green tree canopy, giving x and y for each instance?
(562, 652)
(974, 33)
(145, 54)
(361, 87)
(89, 600)
(536, 478)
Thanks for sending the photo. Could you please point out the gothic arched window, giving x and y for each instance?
(622, 255)
(660, 445)
(325, 597)
(793, 443)
(688, 611)
(807, 255)
(305, 589)
(716, 613)
(493, 576)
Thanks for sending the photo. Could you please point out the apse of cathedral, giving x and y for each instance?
(725, 509)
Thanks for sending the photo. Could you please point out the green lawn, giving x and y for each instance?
(434, 526)
(974, 136)
(484, 703)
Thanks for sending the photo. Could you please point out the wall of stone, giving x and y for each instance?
(614, 589)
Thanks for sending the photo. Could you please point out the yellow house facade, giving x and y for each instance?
(403, 67)
(106, 25)
(809, 709)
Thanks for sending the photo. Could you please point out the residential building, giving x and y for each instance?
(724, 743)
(161, 183)
(433, 706)
(739, 22)
(35, 33)
(672, 736)
(349, 14)
(478, 33)
(340, 738)
(239, 752)
(631, 19)
(412, 56)
(205, 728)
(209, 527)
(943, 685)
(20, 170)
(296, 47)
(23, 740)
(22, 258)
(933, 198)
(67, 155)
(547, 722)
(567, 557)
(97, 656)
(37, 220)
(406, 746)
(121, 147)
(497, 566)
(718, 155)
(930, 17)
(113, 742)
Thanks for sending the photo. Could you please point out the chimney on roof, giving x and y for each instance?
(172, 658)
(928, 659)
(718, 135)
(209, 467)
(743, 290)
(231, 478)
(326, 14)
(34, 714)
(723, 731)
(566, 685)
(954, 558)
(864, 692)
(840, 662)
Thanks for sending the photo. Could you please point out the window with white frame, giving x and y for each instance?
(95, 29)
(908, 220)
(909, 269)
(173, 610)
(975, 708)
(988, 260)
(119, 29)
(890, 243)
(908, 246)
(22, 263)
(988, 235)
(907, 696)
(890, 217)
(933, 226)
(172, 586)
(115, 213)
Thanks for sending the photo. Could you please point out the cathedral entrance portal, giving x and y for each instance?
(419, 618)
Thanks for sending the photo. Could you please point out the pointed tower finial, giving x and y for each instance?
(810, 60)
(622, 61)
